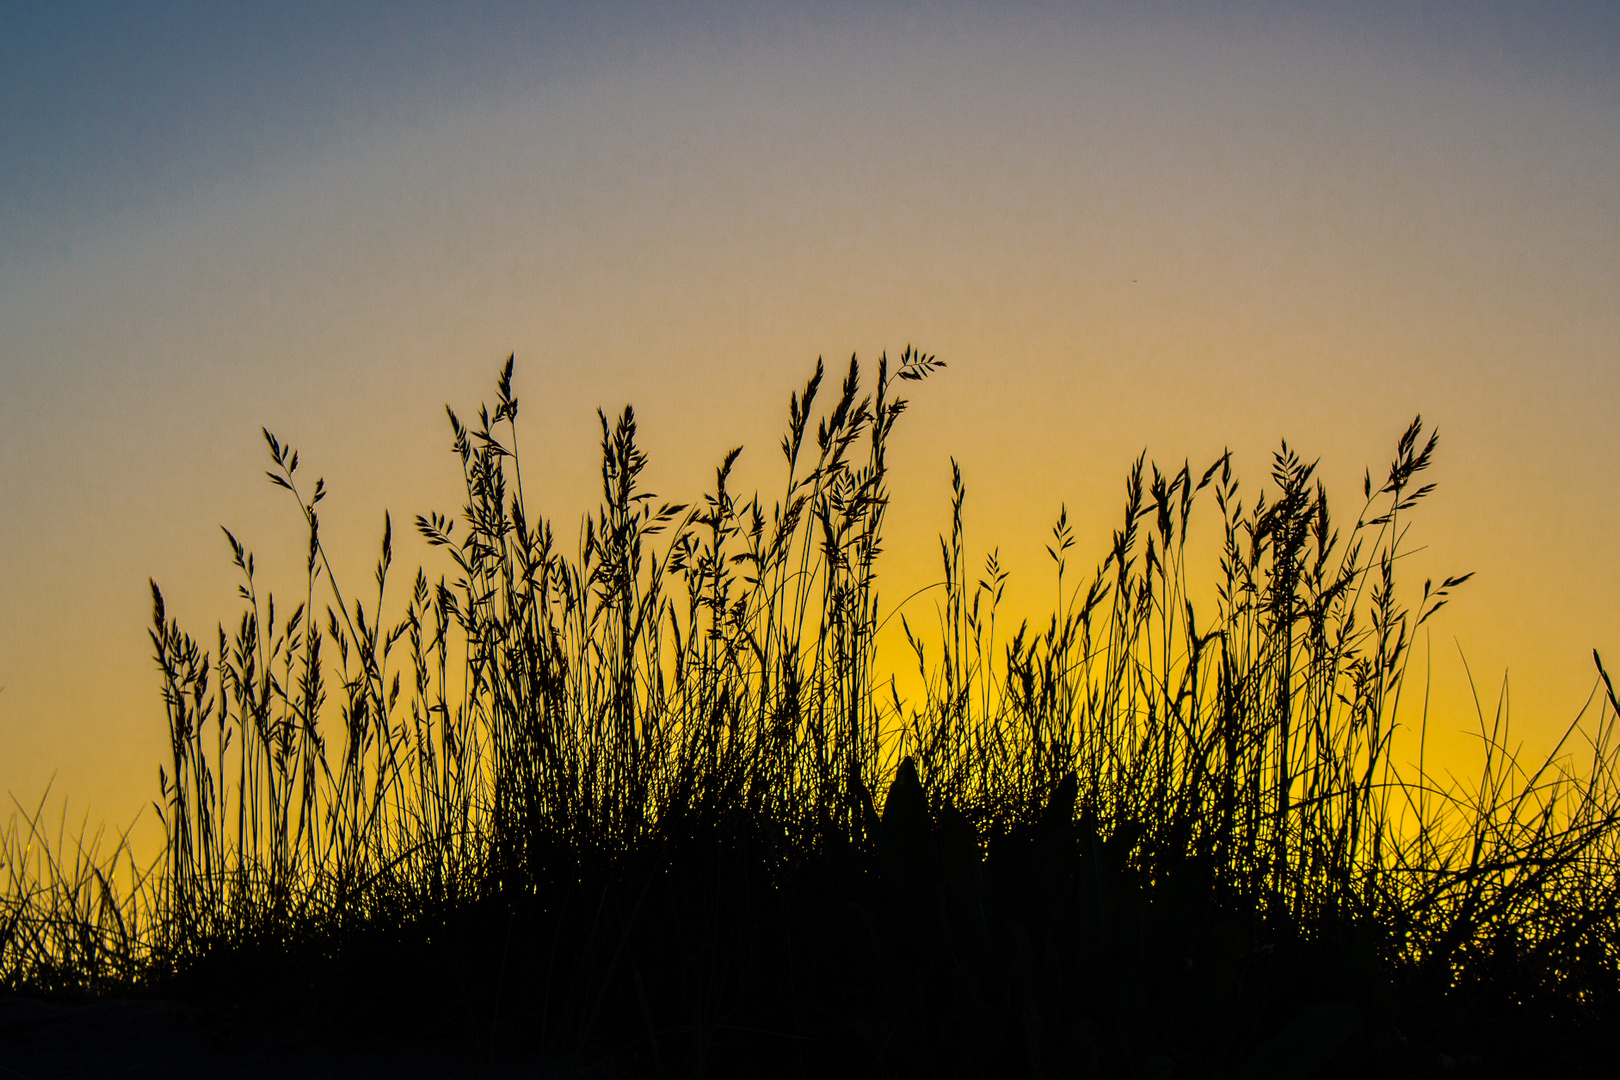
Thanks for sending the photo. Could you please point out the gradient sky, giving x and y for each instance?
(1179, 228)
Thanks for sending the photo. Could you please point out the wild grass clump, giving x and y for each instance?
(660, 796)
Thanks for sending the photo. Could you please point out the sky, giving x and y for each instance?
(1160, 227)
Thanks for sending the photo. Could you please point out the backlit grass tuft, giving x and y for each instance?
(657, 798)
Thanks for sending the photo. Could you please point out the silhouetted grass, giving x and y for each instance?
(626, 800)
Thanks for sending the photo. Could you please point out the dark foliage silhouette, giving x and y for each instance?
(658, 800)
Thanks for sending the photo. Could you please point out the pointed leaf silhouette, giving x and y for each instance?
(906, 841)
(1060, 808)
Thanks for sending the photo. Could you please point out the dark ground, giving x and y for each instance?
(140, 1038)
(130, 1039)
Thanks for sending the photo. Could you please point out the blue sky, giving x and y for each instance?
(108, 108)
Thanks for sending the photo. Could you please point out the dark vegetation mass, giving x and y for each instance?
(656, 804)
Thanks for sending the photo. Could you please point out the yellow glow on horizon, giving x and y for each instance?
(1146, 240)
